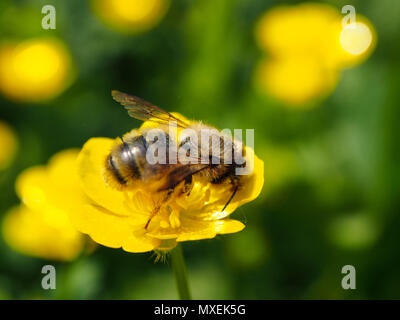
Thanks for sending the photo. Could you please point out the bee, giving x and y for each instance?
(127, 166)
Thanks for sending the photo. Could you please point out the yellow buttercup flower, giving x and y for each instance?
(305, 29)
(308, 47)
(8, 145)
(118, 218)
(295, 80)
(40, 226)
(130, 15)
(34, 70)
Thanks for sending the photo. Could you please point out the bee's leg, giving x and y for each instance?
(158, 207)
(235, 185)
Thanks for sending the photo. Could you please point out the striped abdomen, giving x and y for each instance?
(127, 160)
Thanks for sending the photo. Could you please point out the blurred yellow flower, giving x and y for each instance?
(304, 29)
(8, 145)
(308, 47)
(295, 80)
(34, 70)
(130, 15)
(40, 226)
(118, 218)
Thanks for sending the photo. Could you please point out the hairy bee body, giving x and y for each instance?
(127, 166)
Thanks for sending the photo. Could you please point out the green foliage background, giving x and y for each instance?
(334, 202)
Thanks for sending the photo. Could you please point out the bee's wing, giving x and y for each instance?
(179, 173)
(143, 110)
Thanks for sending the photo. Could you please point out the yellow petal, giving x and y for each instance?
(194, 229)
(62, 169)
(254, 182)
(91, 165)
(27, 232)
(209, 229)
(111, 230)
(136, 245)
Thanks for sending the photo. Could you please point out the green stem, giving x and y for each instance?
(179, 268)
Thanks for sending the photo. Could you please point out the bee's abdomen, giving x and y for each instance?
(125, 162)
(114, 170)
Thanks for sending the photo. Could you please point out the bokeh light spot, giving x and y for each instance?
(356, 38)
